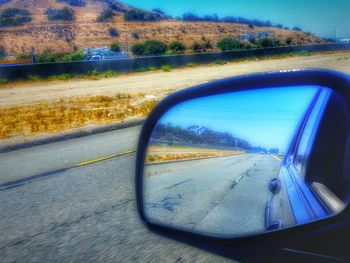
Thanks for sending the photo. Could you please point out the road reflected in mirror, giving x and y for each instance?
(239, 163)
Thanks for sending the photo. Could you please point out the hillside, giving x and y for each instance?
(84, 31)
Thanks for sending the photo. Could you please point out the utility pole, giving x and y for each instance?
(243, 31)
(126, 41)
(32, 53)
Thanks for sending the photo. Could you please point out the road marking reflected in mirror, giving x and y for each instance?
(276, 157)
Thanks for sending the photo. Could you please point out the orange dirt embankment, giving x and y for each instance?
(164, 154)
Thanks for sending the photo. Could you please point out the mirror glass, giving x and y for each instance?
(242, 163)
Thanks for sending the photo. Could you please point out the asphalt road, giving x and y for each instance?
(86, 213)
(223, 196)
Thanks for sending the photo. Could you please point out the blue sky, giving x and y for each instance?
(318, 16)
(266, 118)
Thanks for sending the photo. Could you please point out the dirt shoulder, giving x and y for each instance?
(166, 154)
(30, 109)
(159, 83)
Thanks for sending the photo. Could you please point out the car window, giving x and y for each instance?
(308, 132)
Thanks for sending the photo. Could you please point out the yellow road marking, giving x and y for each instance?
(49, 173)
(103, 158)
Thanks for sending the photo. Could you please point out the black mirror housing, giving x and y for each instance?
(279, 245)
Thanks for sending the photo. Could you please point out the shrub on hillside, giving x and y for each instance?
(289, 41)
(264, 42)
(106, 15)
(158, 10)
(177, 47)
(150, 48)
(66, 13)
(279, 43)
(79, 3)
(198, 47)
(141, 15)
(188, 16)
(14, 17)
(115, 5)
(227, 19)
(296, 28)
(154, 47)
(75, 56)
(207, 44)
(227, 44)
(115, 47)
(48, 56)
(246, 45)
(137, 49)
(24, 56)
(113, 32)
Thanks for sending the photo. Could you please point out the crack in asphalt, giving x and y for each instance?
(246, 173)
(65, 224)
(177, 184)
(233, 163)
(168, 203)
(224, 196)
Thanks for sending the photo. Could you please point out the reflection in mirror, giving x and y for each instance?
(239, 163)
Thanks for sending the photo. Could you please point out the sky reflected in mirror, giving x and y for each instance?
(265, 118)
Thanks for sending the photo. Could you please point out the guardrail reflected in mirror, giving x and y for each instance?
(241, 163)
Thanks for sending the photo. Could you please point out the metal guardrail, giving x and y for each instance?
(133, 64)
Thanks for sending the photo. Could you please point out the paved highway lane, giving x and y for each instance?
(32, 161)
(218, 195)
(84, 214)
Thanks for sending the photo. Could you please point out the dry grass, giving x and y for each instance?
(160, 154)
(65, 114)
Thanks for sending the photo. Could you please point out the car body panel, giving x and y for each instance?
(305, 207)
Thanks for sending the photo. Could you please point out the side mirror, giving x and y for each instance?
(275, 185)
(247, 158)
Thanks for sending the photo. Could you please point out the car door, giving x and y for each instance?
(293, 201)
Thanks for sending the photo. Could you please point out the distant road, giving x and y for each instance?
(225, 195)
(83, 214)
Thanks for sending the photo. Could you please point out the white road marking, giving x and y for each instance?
(276, 157)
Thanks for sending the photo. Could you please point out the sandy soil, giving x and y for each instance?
(161, 154)
(184, 150)
(159, 84)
